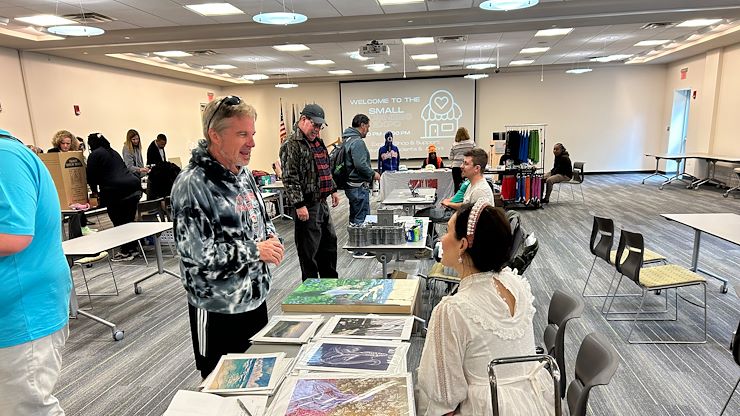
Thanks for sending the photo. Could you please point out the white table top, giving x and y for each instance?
(403, 196)
(722, 225)
(721, 158)
(276, 185)
(415, 245)
(113, 237)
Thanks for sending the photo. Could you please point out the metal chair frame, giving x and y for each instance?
(577, 171)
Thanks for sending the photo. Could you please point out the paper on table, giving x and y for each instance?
(193, 403)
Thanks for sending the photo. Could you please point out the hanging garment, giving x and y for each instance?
(513, 141)
(534, 146)
(528, 189)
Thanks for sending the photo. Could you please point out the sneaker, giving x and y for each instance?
(545, 200)
(88, 230)
(363, 255)
(122, 257)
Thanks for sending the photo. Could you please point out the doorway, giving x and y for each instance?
(679, 126)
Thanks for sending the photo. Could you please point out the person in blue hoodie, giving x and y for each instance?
(388, 155)
(361, 173)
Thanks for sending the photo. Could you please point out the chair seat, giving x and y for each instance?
(668, 275)
(87, 260)
(648, 256)
(737, 170)
(438, 272)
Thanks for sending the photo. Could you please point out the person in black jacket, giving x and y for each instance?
(155, 152)
(117, 188)
(562, 170)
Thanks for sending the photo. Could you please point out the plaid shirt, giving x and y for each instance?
(322, 165)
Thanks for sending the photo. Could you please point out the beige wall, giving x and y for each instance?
(266, 100)
(14, 115)
(727, 127)
(607, 118)
(111, 102)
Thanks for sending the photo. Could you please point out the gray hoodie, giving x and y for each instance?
(357, 158)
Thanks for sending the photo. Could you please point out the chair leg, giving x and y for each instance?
(583, 198)
(560, 188)
(572, 195)
(142, 252)
(615, 295)
(585, 285)
(730, 398)
(112, 275)
(703, 341)
(87, 288)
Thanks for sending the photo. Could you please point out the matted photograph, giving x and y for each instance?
(345, 395)
(369, 327)
(354, 356)
(297, 329)
(244, 372)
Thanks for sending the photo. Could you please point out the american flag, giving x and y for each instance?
(283, 131)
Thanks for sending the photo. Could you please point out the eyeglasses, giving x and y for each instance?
(319, 126)
(231, 100)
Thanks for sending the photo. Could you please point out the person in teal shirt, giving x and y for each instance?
(35, 281)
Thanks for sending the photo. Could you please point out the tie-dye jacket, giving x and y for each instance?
(218, 219)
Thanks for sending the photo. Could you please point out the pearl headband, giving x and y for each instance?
(473, 218)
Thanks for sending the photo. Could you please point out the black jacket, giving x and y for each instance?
(152, 154)
(300, 174)
(107, 175)
(562, 165)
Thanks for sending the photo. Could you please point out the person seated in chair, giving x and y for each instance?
(474, 163)
(562, 170)
(489, 317)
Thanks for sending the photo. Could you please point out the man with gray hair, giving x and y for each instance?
(224, 236)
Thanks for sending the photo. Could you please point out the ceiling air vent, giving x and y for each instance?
(206, 52)
(90, 17)
(657, 25)
(452, 39)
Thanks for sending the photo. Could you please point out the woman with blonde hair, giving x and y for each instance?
(462, 144)
(131, 154)
(64, 141)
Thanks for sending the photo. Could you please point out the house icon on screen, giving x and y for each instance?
(441, 116)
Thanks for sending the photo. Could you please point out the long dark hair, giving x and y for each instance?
(492, 238)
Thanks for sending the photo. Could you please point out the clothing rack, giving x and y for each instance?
(521, 187)
(541, 130)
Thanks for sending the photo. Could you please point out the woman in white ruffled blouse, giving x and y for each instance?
(489, 317)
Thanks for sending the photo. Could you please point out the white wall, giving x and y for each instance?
(111, 102)
(726, 140)
(14, 115)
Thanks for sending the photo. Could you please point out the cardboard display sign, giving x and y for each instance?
(68, 172)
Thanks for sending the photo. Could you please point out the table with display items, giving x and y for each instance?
(440, 179)
(409, 202)
(279, 188)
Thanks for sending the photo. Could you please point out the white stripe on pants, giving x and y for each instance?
(202, 322)
(28, 373)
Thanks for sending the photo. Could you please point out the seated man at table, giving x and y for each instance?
(562, 170)
(474, 163)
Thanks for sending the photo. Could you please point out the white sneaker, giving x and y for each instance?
(122, 257)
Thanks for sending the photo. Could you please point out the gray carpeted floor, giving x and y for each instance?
(139, 375)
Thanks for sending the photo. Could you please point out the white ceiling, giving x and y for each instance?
(338, 27)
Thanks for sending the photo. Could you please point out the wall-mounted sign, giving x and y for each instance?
(684, 73)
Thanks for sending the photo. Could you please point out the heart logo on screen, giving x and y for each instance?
(442, 103)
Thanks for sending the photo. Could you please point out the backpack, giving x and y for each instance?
(338, 165)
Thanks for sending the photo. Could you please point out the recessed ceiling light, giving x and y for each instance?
(535, 50)
(428, 67)
(280, 18)
(554, 31)
(295, 47)
(652, 42)
(173, 54)
(320, 62)
(480, 66)
(45, 20)
(521, 62)
(611, 58)
(286, 85)
(255, 77)
(476, 76)
(356, 56)
(397, 2)
(75, 30)
(221, 66)
(418, 41)
(698, 22)
(424, 56)
(578, 70)
(377, 67)
(340, 72)
(214, 9)
(498, 5)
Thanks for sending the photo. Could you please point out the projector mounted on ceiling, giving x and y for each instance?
(374, 49)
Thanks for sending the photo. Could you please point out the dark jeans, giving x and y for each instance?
(123, 212)
(316, 243)
(457, 178)
(359, 204)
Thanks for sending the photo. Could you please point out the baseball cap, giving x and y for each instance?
(314, 112)
(432, 148)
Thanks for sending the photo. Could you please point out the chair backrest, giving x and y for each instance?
(151, 210)
(603, 230)
(736, 345)
(578, 172)
(635, 246)
(596, 363)
(563, 308)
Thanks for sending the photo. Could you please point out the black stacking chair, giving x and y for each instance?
(596, 363)
(563, 308)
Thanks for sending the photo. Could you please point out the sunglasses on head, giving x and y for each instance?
(231, 100)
